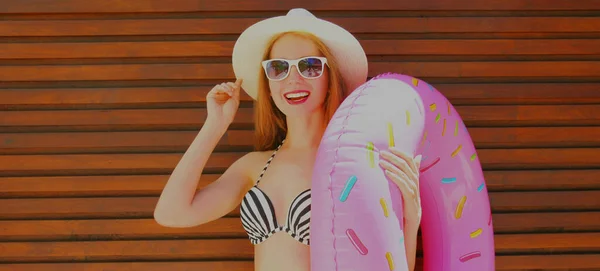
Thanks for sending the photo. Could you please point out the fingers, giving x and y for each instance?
(410, 160)
(230, 89)
(418, 162)
(402, 161)
(404, 184)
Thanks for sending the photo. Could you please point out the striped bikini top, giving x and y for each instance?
(258, 214)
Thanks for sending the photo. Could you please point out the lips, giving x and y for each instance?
(297, 96)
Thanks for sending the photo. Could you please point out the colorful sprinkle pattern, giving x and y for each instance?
(458, 193)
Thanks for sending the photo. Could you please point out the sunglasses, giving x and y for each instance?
(309, 67)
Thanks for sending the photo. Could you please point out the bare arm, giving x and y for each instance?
(410, 243)
(180, 206)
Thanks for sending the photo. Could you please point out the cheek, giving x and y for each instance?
(275, 88)
(321, 87)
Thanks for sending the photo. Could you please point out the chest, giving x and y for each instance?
(288, 175)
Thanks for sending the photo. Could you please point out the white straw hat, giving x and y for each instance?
(251, 45)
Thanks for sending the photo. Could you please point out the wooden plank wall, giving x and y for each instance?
(100, 98)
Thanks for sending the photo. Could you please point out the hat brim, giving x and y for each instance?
(251, 45)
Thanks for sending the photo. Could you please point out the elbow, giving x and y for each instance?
(163, 218)
(171, 219)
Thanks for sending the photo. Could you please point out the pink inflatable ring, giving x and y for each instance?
(357, 212)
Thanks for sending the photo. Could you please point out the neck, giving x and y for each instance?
(305, 132)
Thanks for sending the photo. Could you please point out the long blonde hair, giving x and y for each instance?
(270, 122)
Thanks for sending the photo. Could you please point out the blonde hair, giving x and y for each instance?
(270, 122)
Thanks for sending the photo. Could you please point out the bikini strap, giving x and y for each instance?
(268, 163)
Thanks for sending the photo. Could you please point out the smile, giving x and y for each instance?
(297, 97)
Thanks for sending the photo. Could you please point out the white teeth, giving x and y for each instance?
(296, 95)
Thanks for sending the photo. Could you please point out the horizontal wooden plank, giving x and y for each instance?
(223, 249)
(557, 262)
(546, 222)
(163, 163)
(458, 94)
(114, 229)
(582, 262)
(236, 265)
(545, 201)
(178, 141)
(445, 47)
(542, 180)
(539, 158)
(193, 118)
(131, 229)
(224, 71)
(152, 185)
(242, 249)
(123, 119)
(155, 163)
(143, 207)
(551, 242)
(97, 6)
(541, 26)
(97, 142)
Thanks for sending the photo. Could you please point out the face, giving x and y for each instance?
(296, 95)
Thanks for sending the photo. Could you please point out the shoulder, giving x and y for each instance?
(252, 163)
(254, 157)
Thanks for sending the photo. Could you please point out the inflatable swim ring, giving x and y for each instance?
(357, 213)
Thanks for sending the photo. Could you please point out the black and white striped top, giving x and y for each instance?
(258, 214)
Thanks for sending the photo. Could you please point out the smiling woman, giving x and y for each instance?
(100, 99)
(321, 78)
(298, 86)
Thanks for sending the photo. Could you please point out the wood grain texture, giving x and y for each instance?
(185, 96)
(207, 249)
(223, 71)
(230, 227)
(143, 207)
(99, 100)
(581, 262)
(545, 26)
(163, 49)
(163, 163)
(98, 6)
(178, 141)
(193, 118)
(151, 185)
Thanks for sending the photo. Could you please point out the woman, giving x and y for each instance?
(299, 69)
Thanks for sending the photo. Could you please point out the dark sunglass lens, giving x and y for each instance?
(277, 69)
(311, 67)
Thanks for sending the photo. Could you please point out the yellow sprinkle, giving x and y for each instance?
(432, 107)
(455, 152)
(384, 207)
(456, 129)
(437, 118)
(390, 260)
(449, 112)
(424, 138)
(444, 128)
(473, 157)
(390, 134)
(415, 82)
(476, 233)
(460, 206)
(407, 117)
(370, 154)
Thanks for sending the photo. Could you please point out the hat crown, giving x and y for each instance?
(299, 12)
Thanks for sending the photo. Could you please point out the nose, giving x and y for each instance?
(294, 75)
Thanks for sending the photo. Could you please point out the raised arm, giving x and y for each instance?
(179, 204)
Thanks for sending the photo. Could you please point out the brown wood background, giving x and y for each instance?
(100, 98)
